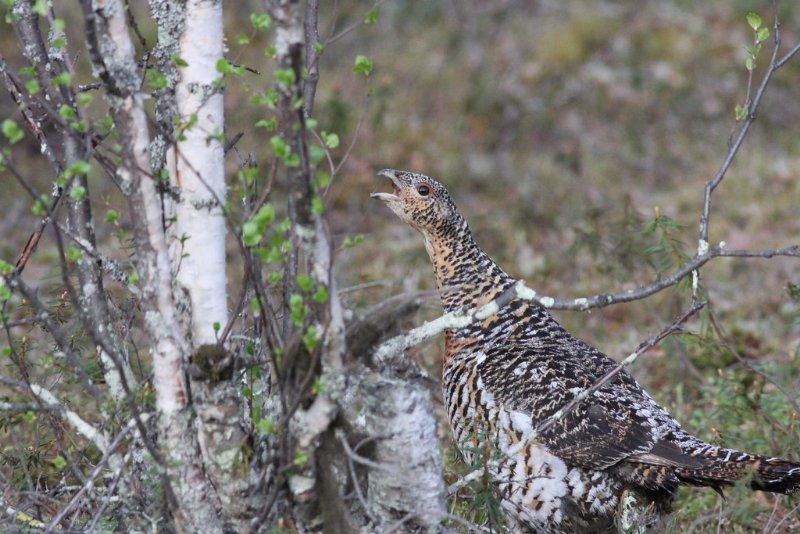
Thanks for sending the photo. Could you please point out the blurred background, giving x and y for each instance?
(576, 137)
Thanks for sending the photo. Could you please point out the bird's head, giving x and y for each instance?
(421, 202)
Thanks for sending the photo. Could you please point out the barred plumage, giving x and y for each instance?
(507, 374)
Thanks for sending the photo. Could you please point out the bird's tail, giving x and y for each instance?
(725, 467)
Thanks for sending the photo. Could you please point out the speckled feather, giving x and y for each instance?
(506, 375)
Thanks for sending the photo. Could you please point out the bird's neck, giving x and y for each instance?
(465, 275)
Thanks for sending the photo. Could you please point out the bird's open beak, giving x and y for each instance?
(395, 194)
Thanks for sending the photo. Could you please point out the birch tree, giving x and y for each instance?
(241, 414)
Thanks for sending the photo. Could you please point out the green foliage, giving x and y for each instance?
(298, 309)
(225, 67)
(668, 250)
(477, 502)
(260, 21)
(77, 193)
(317, 205)
(253, 230)
(331, 140)
(363, 65)
(78, 168)
(62, 78)
(353, 241)
(311, 338)
(74, 254)
(285, 77)
(12, 131)
(156, 80)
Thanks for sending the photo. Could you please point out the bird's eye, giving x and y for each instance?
(423, 190)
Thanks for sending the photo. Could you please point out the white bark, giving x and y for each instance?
(197, 170)
(114, 61)
(410, 479)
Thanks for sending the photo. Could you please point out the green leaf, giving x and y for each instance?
(5, 292)
(66, 112)
(372, 17)
(754, 21)
(251, 234)
(33, 87)
(305, 283)
(77, 193)
(266, 426)
(247, 175)
(112, 217)
(269, 124)
(762, 35)
(318, 386)
(12, 131)
(40, 7)
(243, 40)
(179, 61)
(311, 338)
(224, 66)
(74, 254)
(297, 309)
(285, 77)
(323, 179)
(156, 80)
(84, 99)
(62, 78)
(320, 295)
(79, 168)
(316, 153)
(741, 112)
(749, 63)
(6, 268)
(260, 22)
(363, 65)
(265, 215)
(279, 146)
(317, 206)
(331, 140)
(39, 207)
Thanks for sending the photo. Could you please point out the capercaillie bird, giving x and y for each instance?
(504, 376)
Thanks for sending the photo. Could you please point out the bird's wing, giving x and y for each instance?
(536, 379)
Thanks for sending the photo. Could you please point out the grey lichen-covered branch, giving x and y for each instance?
(113, 59)
(75, 147)
(464, 318)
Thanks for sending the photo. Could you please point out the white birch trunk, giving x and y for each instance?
(197, 169)
(113, 59)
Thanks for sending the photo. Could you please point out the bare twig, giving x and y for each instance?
(351, 455)
(108, 452)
